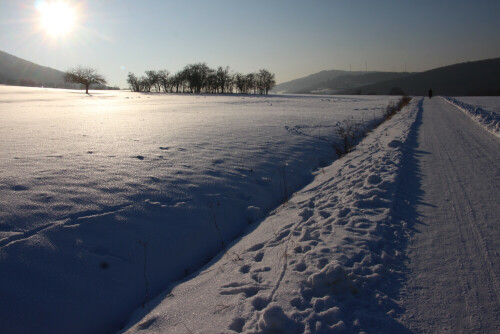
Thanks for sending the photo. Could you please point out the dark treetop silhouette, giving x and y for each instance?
(199, 78)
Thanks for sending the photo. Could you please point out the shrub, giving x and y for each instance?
(350, 131)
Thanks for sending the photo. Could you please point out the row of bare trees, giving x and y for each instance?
(199, 78)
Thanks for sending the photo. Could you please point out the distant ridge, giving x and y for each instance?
(333, 81)
(350, 81)
(299, 84)
(470, 78)
(19, 72)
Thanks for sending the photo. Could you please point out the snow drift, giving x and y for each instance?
(483, 110)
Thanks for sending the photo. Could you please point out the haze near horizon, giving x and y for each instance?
(290, 38)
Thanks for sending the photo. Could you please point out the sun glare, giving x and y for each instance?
(57, 17)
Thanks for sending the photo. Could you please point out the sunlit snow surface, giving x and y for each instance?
(105, 197)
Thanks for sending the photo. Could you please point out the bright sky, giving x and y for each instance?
(291, 38)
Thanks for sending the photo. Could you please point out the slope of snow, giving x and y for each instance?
(107, 199)
(485, 110)
(329, 260)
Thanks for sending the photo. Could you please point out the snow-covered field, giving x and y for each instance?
(328, 261)
(485, 110)
(107, 199)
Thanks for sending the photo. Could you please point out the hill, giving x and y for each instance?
(299, 84)
(349, 81)
(333, 81)
(464, 79)
(17, 71)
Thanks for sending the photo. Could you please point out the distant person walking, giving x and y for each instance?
(430, 93)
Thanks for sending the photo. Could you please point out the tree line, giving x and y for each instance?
(199, 78)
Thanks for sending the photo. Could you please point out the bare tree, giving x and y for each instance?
(133, 82)
(145, 84)
(251, 82)
(196, 75)
(164, 80)
(154, 80)
(222, 77)
(265, 81)
(176, 81)
(211, 85)
(85, 76)
(230, 83)
(241, 83)
(199, 78)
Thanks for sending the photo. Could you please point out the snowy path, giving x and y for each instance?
(454, 263)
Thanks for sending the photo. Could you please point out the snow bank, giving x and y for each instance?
(107, 199)
(326, 261)
(481, 109)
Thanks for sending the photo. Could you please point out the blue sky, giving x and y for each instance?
(290, 38)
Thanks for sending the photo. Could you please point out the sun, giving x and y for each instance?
(57, 18)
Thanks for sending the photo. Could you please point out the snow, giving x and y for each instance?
(167, 213)
(108, 199)
(484, 110)
(452, 188)
(329, 260)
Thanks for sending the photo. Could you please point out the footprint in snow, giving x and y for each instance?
(259, 257)
(237, 325)
(217, 162)
(249, 290)
(275, 320)
(300, 267)
(255, 247)
(322, 263)
(324, 214)
(257, 278)
(260, 303)
(343, 212)
(19, 187)
(261, 270)
(373, 179)
(395, 144)
(245, 269)
(302, 249)
(327, 229)
(306, 214)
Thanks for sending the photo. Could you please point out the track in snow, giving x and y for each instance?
(454, 263)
